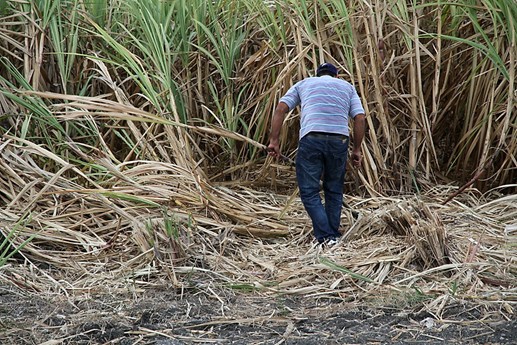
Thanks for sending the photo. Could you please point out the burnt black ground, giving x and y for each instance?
(166, 317)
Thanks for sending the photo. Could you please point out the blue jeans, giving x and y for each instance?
(325, 159)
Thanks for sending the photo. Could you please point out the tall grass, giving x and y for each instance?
(436, 78)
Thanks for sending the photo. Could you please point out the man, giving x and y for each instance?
(326, 105)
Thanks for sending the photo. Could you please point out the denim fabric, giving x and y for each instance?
(325, 159)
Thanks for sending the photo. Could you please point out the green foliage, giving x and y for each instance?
(7, 251)
(243, 287)
(342, 269)
(446, 75)
(270, 18)
(39, 123)
(171, 225)
(4, 7)
(418, 296)
(453, 290)
(128, 197)
(98, 10)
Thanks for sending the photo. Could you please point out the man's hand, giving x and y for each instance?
(357, 157)
(273, 149)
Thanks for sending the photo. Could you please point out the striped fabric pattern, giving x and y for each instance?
(326, 104)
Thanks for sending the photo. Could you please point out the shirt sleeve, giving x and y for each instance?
(292, 97)
(356, 107)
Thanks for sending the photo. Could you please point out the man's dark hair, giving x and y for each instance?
(326, 69)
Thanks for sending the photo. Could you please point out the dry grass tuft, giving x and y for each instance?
(422, 228)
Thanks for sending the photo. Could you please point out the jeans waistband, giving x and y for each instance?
(327, 135)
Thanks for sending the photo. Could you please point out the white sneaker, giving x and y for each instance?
(331, 243)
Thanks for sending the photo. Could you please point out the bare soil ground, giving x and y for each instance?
(169, 317)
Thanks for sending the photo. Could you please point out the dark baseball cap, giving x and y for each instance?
(326, 68)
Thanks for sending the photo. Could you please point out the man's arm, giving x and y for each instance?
(359, 129)
(276, 125)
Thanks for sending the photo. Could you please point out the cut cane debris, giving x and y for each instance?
(191, 235)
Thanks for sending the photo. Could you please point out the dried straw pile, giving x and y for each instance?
(158, 224)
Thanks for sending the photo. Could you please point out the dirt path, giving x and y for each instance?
(165, 317)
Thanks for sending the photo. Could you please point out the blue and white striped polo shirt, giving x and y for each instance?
(326, 104)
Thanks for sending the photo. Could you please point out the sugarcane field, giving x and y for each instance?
(158, 183)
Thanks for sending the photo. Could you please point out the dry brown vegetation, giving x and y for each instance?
(150, 226)
(132, 151)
